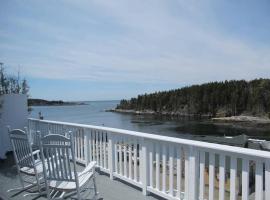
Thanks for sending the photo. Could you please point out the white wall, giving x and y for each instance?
(13, 113)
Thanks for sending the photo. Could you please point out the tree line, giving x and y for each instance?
(11, 84)
(224, 98)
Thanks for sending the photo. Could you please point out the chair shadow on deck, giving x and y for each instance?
(8, 170)
(7, 166)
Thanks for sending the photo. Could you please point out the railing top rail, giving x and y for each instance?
(194, 143)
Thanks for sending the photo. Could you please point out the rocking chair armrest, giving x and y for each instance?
(33, 154)
(90, 167)
(37, 152)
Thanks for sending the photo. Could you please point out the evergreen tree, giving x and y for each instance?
(216, 98)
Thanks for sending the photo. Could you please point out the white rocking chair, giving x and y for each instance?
(61, 178)
(28, 167)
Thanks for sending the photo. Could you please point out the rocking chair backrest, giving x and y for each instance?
(58, 155)
(22, 148)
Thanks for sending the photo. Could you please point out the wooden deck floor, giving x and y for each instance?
(108, 189)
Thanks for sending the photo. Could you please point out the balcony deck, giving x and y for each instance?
(170, 168)
(108, 189)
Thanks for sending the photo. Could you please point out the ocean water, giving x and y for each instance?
(94, 113)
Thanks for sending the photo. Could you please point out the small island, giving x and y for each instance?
(42, 102)
(226, 101)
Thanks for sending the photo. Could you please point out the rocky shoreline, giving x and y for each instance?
(232, 119)
(243, 118)
(162, 113)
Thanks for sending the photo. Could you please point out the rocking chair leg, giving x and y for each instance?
(95, 186)
(34, 194)
(21, 188)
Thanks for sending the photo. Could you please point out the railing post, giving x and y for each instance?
(111, 157)
(193, 173)
(144, 165)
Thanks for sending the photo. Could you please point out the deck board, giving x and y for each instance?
(108, 189)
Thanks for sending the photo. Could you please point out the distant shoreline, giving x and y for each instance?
(42, 102)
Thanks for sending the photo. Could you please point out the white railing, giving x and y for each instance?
(172, 168)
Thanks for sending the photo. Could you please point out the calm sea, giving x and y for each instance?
(94, 113)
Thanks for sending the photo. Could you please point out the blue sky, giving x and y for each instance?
(102, 50)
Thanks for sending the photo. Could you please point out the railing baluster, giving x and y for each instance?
(54, 129)
(245, 179)
(186, 153)
(171, 156)
(135, 160)
(138, 159)
(116, 153)
(89, 141)
(222, 169)
(267, 179)
(86, 146)
(164, 166)
(100, 149)
(93, 144)
(130, 158)
(157, 149)
(111, 155)
(179, 172)
(97, 147)
(151, 174)
(76, 145)
(120, 155)
(79, 143)
(233, 178)
(211, 175)
(125, 157)
(259, 180)
(105, 154)
(202, 170)
(82, 150)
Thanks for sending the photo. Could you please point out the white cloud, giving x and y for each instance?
(156, 42)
